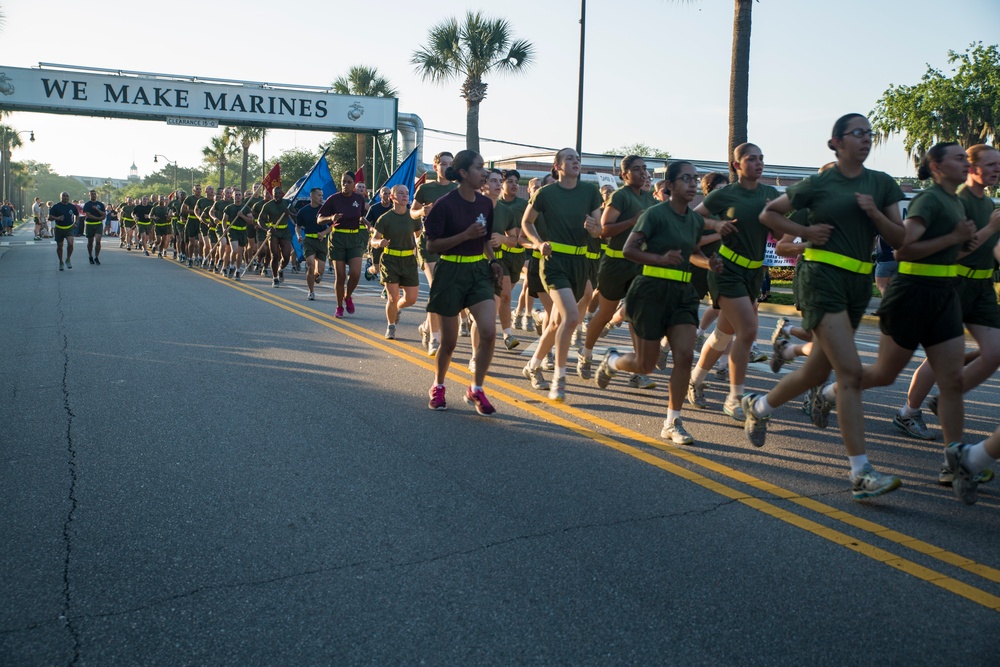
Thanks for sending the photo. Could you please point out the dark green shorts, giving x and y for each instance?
(163, 230)
(317, 247)
(512, 263)
(654, 305)
(826, 289)
(282, 233)
(238, 237)
(177, 228)
(735, 282)
(615, 276)
(979, 302)
(94, 230)
(399, 270)
(128, 224)
(192, 230)
(260, 234)
(559, 271)
(424, 257)
(535, 286)
(213, 235)
(62, 234)
(344, 247)
(145, 228)
(458, 286)
(920, 311)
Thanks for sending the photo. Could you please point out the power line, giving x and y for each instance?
(492, 141)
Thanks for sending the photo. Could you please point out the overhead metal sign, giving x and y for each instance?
(190, 101)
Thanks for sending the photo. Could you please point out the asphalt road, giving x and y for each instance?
(201, 472)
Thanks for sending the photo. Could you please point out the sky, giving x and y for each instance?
(656, 71)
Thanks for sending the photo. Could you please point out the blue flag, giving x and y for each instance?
(405, 173)
(317, 177)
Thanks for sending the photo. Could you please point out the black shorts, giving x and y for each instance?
(457, 286)
(62, 234)
(512, 263)
(654, 305)
(94, 230)
(163, 230)
(535, 286)
(734, 282)
(614, 277)
(559, 271)
(826, 289)
(979, 302)
(920, 311)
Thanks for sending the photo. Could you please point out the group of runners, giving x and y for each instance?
(643, 255)
(660, 258)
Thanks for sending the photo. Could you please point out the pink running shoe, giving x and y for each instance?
(437, 398)
(349, 302)
(478, 399)
(340, 312)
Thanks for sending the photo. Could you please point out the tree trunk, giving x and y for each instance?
(739, 79)
(222, 173)
(472, 125)
(362, 151)
(246, 167)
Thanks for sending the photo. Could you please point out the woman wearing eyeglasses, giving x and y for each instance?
(661, 300)
(848, 204)
(736, 288)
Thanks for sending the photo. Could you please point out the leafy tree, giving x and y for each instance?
(219, 151)
(480, 45)
(365, 81)
(640, 149)
(9, 140)
(341, 157)
(246, 137)
(963, 108)
(295, 162)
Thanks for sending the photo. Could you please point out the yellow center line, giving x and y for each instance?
(526, 401)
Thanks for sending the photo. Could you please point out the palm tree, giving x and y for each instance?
(739, 79)
(218, 152)
(9, 140)
(367, 82)
(469, 51)
(246, 137)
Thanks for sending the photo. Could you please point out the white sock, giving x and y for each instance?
(613, 362)
(560, 372)
(436, 336)
(761, 407)
(475, 388)
(588, 353)
(976, 458)
(507, 332)
(788, 352)
(699, 374)
(736, 391)
(699, 332)
(787, 329)
(907, 411)
(534, 363)
(672, 415)
(857, 463)
(829, 392)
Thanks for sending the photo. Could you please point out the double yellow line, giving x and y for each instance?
(553, 414)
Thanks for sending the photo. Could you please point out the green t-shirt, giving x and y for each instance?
(127, 212)
(431, 191)
(665, 230)
(565, 211)
(191, 201)
(979, 210)
(629, 205)
(830, 199)
(175, 209)
(398, 228)
(203, 206)
(256, 204)
(271, 211)
(507, 215)
(160, 215)
(215, 213)
(232, 214)
(734, 202)
(940, 212)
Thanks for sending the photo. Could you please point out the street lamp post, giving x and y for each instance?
(169, 161)
(5, 138)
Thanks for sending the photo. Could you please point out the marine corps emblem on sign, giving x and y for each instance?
(356, 111)
(6, 87)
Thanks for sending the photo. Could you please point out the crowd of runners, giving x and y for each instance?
(642, 255)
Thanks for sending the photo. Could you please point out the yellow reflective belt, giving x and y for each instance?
(666, 274)
(497, 254)
(312, 236)
(159, 224)
(617, 254)
(593, 255)
(127, 220)
(237, 229)
(190, 218)
(346, 231)
(399, 253)
(516, 249)
(94, 222)
(929, 270)
(61, 227)
(739, 259)
(463, 259)
(974, 274)
(838, 260)
(564, 249)
(284, 226)
(536, 254)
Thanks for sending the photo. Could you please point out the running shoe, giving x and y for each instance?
(947, 475)
(732, 407)
(432, 347)
(604, 372)
(549, 363)
(965, 484)
(575, 338)
(914, 426)
(349, 302)
(339, 314)
(310, 297)
(932, 404)
(870, 483)
(390, 332)
(819, 407)
(527, 322)
(754, 426)
(437, 401)
(696, 395)
(675, 433)
(699, 341)
(425, 335)
(159, 255)
(515, 319)
(145, 253)
(778, 359)
(472, 365)
(756, 355)
(281, 275)
(463, 329)
(637, 381)
(584, 368)
(69, 265)
(478, 399)
(557, 392)
(510, 342)
(190, 263)
(97, 260)
(538, 319)
(237, 277)
(275, 283)
(535, 376)
(62, 266)
(722, 373)
(778, 333)
(661, 360)
(91, 259)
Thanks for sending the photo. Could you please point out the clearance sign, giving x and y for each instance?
(190, 101)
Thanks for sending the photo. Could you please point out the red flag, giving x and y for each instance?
(420, 181)
(359, 176)
(273, 178)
